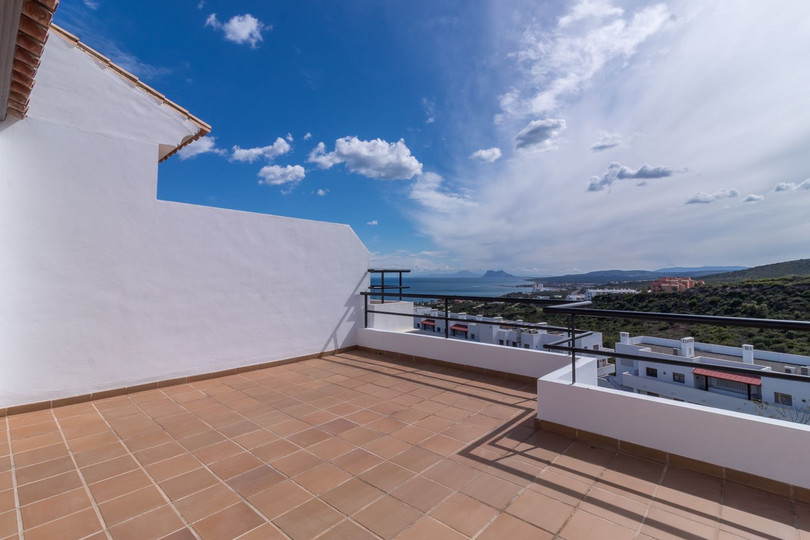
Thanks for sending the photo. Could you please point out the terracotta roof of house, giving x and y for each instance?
(746, 379)
(32, 33)
(35, 22)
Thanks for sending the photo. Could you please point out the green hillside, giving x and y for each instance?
(800, 267)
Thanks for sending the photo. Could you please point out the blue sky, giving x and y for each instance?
(538, 137)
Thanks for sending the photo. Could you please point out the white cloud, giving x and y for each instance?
(791, 186)
(92, 4)
(307, 136)
(540, 135)
(430, 110)
(276, 175)
(249, 155)
(616, 171)
(706, 198)
(372, 222)
(489, 154)
(597, 9)
(204, 145)
(421, 261)
(559, 64)
(427, 190)
(321, 192)
(607, 141)
(374, 159)
(240, 29)
(751, 198)
(289, 137)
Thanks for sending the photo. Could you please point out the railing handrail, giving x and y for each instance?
(451, 297)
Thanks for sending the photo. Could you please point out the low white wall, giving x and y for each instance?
(526, 362)
(724, 438)
(395, 323)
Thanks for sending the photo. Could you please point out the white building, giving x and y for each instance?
(590, 294)
(497, 332)
(704, 383)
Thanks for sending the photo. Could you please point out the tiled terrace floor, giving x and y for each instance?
(350, 446)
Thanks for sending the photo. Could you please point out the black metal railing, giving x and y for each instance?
(583, 309)
(382, 287)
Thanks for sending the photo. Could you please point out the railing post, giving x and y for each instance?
(446, 317)
(365, 311)
(382, 287)
(400, 286)
(572, 345)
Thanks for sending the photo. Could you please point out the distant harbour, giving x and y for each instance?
(497, 286)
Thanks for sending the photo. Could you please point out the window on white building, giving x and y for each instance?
(678, 377)
(783, 399)
(652, 372)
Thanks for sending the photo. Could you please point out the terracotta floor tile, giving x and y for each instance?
(256, 438)
(322, 478)
(45, 469)
(217, 451)
(361, 435)
(664, 525)
(159, 453)
(541, 511)
(172, 467)
(331, 448)
(308, 520)
(95, 441)
(100, 453)
(352, 496)
(442, 445)
(347, 530)
(297, 463)
(229, 523)
(416, 459)
(450, 473)
(55, 507)
(387, 517)
(274, 450)
(338, 426)
(77, 525)
(561, 487)
(364, 416)
(387, 476)
(43, 489)
(256, 480)
(119, 485)
(235, 465)
(130, 505)
(147, 440)
(7, 501)
(40, 454)
(201, 440)
(108, 469)
(188, 483)
(280, 498)
(8, 524)
(491, 490)
(585, 526)
(506, 526)
(206, 502)
(626, 512)
(421, 493)
(157, 523)
(464, 514)
(386, 446)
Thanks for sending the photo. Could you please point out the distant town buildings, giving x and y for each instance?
(498, 332)
(674, 284)
(590, 294)
(704, 383)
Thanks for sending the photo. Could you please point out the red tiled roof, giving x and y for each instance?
(429, 322)
(745, 379)
(459, 327)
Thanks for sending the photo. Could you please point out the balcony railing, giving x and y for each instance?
(575, 310)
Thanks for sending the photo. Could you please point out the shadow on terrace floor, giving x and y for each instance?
(354, 445)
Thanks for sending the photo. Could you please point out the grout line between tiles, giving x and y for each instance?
(83, 480)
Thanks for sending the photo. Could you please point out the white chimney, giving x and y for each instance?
(688, 347)
(624, 337)
(748, 354)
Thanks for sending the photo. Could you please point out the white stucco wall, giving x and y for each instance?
(724, 438)
(103, 286)
(531, 363)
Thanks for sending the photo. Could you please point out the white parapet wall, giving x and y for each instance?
(395, 323)
(104, 287)
(526, 362)
(724, 438)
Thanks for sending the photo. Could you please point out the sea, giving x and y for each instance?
(465, 286)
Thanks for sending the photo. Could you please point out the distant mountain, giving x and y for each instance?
(497, 274)
(799, 267)
(459, 274)
(692, 271)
